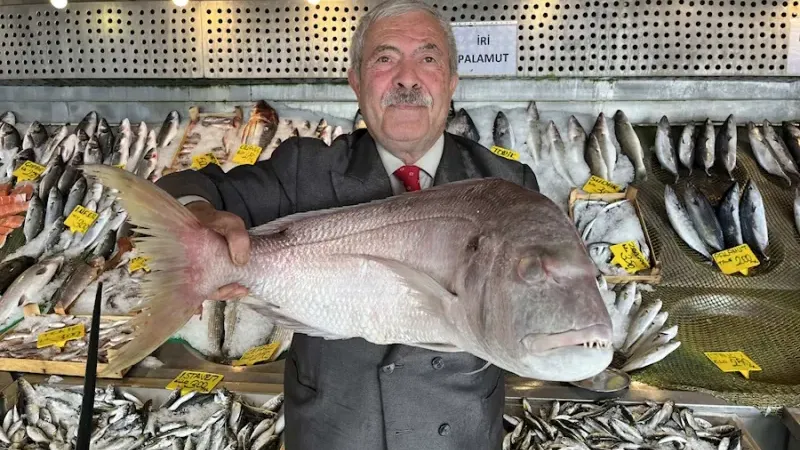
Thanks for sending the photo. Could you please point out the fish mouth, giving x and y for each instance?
(594, 336)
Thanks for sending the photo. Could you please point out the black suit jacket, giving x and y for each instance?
(351, 394)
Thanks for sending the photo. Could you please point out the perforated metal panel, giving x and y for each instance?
(100, 40)
(293, 39)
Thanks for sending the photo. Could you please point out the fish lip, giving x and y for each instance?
(593, 336)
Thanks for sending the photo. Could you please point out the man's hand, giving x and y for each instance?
(232, 228)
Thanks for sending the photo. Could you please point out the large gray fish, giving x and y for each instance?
(10, 270)
(665, 151)
(34, 219)
(726, 145)
(462, 125)
(534, 141)
(55, 206)
(76, 195)
(67, 178)
(93, 154)
(122, 145)
(574, 148)
(706, 146)
(137, 148)
(105, 138)
(9, 137)
(88, 124)
(169, 129)
(779, 149)
(83, 275)
(35, 138)
(594, 157)
(53, 143)
(9, 117)
(509, 283)
(754, 220)
(763, 153)
(629, 142)
(792, 137)
(728, 213)
(607, 148)
(703, 217)
(27, 286)
(502, 134)
(682, 223)
(50, 177)
(686, 147)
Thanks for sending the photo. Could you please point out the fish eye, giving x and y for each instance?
(530, 269)
(474, 244)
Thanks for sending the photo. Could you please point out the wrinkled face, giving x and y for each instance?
(404, 84)
(541, 312)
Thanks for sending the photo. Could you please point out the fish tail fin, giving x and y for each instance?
(177, 244)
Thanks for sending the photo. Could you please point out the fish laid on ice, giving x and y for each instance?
(753, 218)
(665, 151)
(728, 214)
(9, 117)
(703, 217)
(387, 295)
(10, 270)
(594, 157)
(726, 145)
(534, 141)
(629, 142)
(607, 148)
(169, 129)
(502, 134)
(574, 148)
(88, 124)
(557, 152)
(681, 223)
(34, 219)
(28, 285)
(706, 146)
(686, 147)
(462, 125)
(763, 153)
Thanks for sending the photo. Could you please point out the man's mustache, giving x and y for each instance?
(406, 96)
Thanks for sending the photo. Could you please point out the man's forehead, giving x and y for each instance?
(410, 29)
(425, 46)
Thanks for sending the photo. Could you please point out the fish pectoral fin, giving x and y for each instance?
(438, 347)
(431, 296)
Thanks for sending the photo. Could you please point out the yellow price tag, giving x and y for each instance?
(629, 257)
(200, 161)
(80, 219)
(736, 259)
(120, 166)
(139, 263)
(733, 362)
(257, 354)
(247, 154)
(189, 380)
(597, 185)
(60, 336)
(29, 170)
(505, 153)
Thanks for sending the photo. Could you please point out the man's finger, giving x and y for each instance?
(229, 292)
(232, 227)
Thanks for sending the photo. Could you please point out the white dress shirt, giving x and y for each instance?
(428, 165)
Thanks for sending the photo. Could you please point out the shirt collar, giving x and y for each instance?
(429, 161)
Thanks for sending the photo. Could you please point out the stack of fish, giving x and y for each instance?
(640, 335)
(772, 153)
(21, 342)
(48, 417)
(739, 219)
(701, 149)
(610, 424)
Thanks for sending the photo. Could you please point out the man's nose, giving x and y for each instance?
(406, 76)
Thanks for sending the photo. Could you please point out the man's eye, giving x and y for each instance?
(429, 59)
(383, 59)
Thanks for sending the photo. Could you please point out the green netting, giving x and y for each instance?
(758, 314)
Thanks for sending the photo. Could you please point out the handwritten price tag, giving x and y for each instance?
(247, 154)
(505, 153)
(60, 336)
(29, 170)
(736, 259)
(733, 362)
(139, 263)
(119, 166)
(597, 185)
(80, 219)
(629, 257)
(200, 161)
(257, 354)
(189, 380)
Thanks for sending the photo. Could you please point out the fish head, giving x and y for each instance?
(540, 310)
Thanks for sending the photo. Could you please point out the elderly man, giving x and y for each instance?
(351, 394)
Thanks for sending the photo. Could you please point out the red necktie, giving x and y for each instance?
(409, 175)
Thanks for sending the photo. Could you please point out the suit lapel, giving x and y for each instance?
(362, 177)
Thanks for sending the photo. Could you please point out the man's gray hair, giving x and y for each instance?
(393, 8)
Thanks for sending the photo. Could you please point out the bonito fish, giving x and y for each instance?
(508, 282)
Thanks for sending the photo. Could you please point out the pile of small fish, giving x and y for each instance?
(602, 224)
(610, 424)
(47, 416)
(21, 341)
(639, 331)
(772, 153)
(703, 148)
(738, 219)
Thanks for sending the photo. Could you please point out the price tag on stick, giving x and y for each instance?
(736, 259)
(189, 380)
(733, 362)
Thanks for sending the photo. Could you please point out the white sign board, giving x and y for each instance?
(486, 48)
(793, 57)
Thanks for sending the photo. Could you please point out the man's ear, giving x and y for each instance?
(352, 78)
(453, 84)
